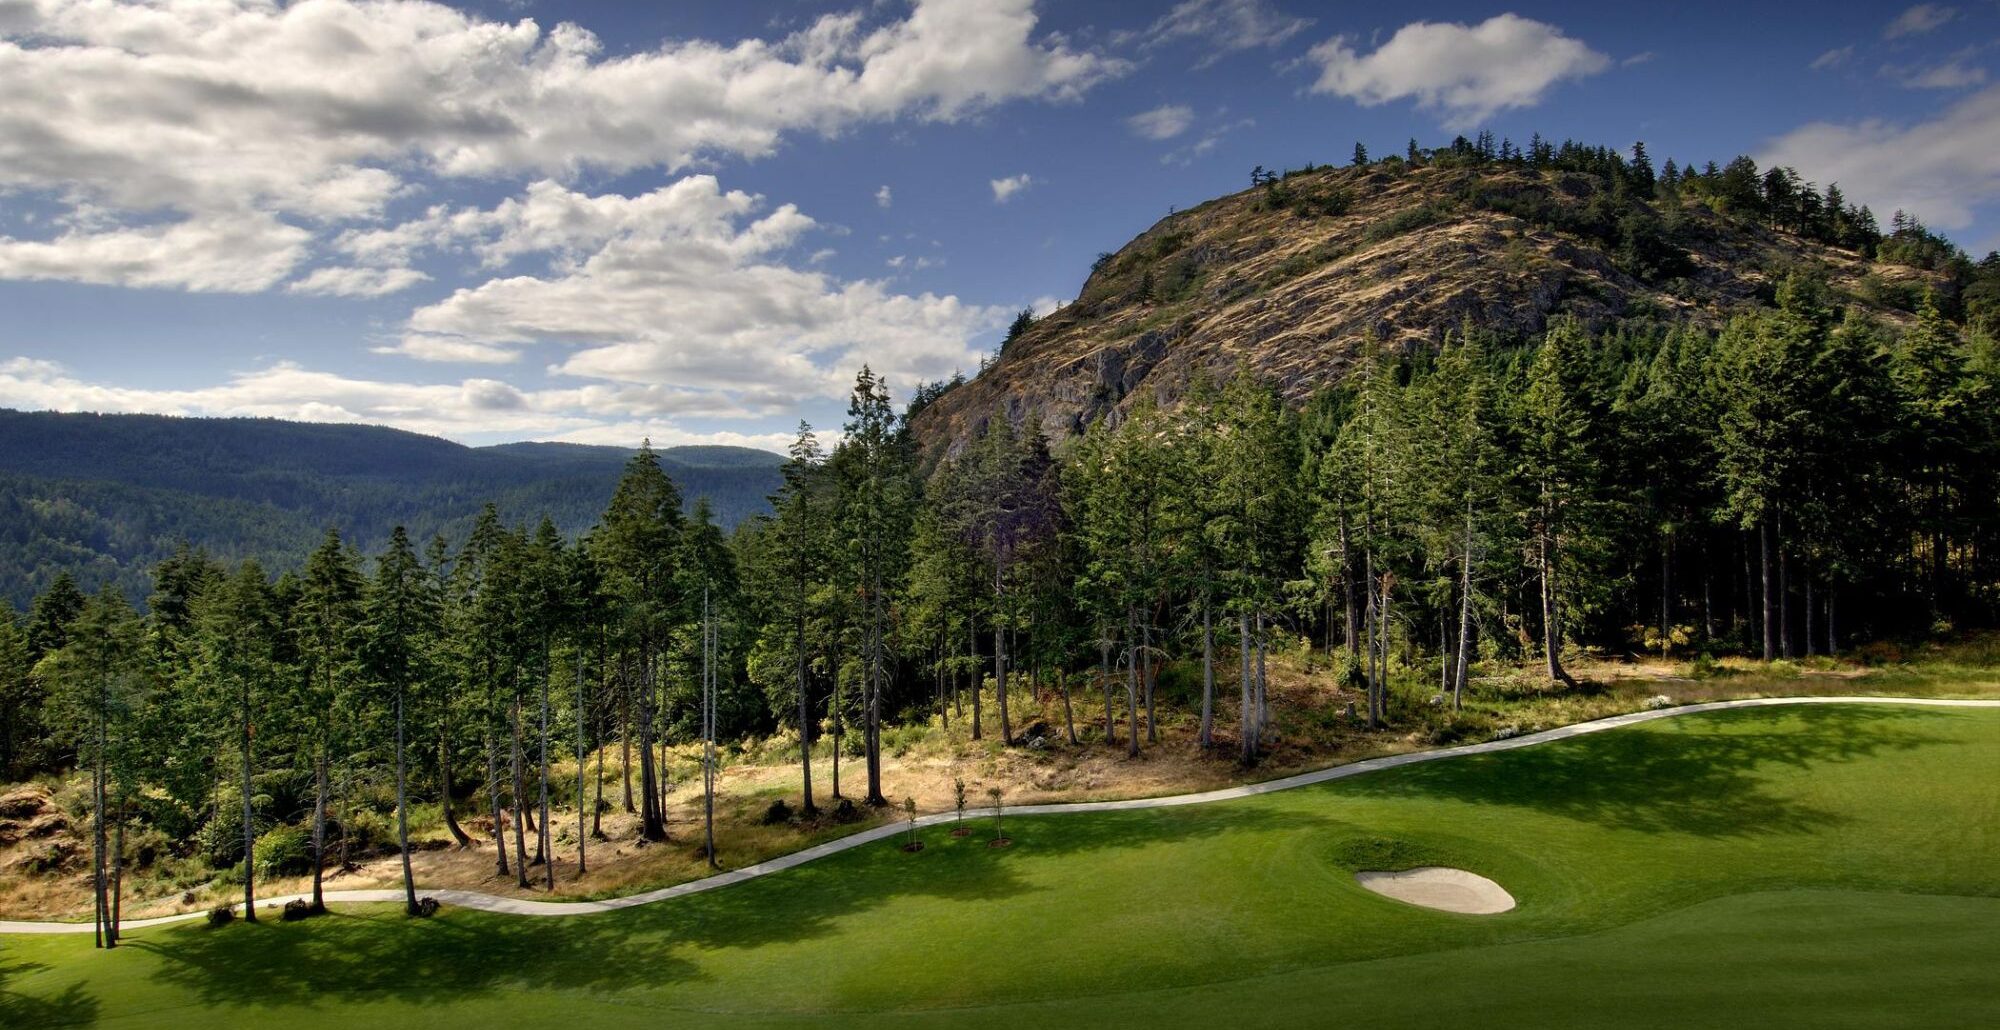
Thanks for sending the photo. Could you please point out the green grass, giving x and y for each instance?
(1810, 867)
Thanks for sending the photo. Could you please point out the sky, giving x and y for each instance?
(693, 223)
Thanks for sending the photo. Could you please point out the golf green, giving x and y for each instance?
(1813, 867)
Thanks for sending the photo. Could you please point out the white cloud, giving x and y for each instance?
(1954, 73)
(1161, 123)
(471, 408)
(1832, 59)
(1224, 27)
(1918, 20)
(684, 286)
(351, 281)
(1939, 169)
(884, 197)
(1464, 72)
(1210, 139)
(243, 253)
(1003, 189)
(324, 111)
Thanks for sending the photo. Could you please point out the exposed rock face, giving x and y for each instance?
(1290, 290)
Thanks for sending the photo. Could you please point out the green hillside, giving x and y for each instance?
(105, 496)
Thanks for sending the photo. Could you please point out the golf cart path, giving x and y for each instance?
(527, 907)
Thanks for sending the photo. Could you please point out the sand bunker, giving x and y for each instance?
(1439, 887)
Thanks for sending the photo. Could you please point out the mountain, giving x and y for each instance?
(106, 496)
(1288, 279)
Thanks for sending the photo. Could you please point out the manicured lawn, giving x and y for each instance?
(1811, 867)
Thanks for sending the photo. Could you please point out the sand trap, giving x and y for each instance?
(1439, 887)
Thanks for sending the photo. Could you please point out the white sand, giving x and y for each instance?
(1439, 887)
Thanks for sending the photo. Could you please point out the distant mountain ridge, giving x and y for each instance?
(105, 496)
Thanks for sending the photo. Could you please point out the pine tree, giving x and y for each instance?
(401, 620)
(326, 623)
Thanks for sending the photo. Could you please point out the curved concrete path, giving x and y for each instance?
(526, 907)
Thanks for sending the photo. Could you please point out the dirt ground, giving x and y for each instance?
(44, 853)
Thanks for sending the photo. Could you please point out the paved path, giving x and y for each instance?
(528, 907)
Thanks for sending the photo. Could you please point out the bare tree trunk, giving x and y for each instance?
(1551, 609)
(1000, 666)
(597, 806)
(1263, 681)
(1666, 588)
(247, 734)
(1810, 600)
(1462, 667)
(118, 873)
(545, 843)
(100, 894)
(972, 651)
(582, 760)
(321, 792)
(444, 792)
(872, 736)
(403, 812)
(1069, 715)
(519, 799)
(1104, 680)
(1132, 680)
(1146, 676)
(708, 727)
(839, 726)
(1207, 738)
(1247, 729)
(493, 795)
(1785, 593)
(1770, 593)
(625, 741)
(1832, 638)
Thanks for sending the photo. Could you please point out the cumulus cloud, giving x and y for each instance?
(1003, 189)
(238, 253)
(1939, 169)
(1223, 27)
(1918, 20)
(1163, 122)
(1465, 72)
(325, 111)
(884, 197)
(685, 285)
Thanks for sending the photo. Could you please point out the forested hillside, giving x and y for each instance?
(104, 497)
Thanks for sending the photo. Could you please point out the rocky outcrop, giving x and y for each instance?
(1289, 284)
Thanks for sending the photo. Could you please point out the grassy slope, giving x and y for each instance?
(1817, 867)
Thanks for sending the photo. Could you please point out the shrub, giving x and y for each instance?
(221, 915)
(296, 909)
(845, 812)
(427, 907)
(779, 812)
(284, 851)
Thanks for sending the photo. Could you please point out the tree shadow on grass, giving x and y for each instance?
(1708, 778)
(72, 1006)
(379, 953)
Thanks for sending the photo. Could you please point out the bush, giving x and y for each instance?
(845, 812)
(221, 915)
(284, 851)
(427, 907)
(296, 909)
(779, 812)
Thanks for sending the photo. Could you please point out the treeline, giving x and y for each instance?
(1637, 212)
(1799, 480)
(106, 497)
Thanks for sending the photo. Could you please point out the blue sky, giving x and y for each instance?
(603, 221)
